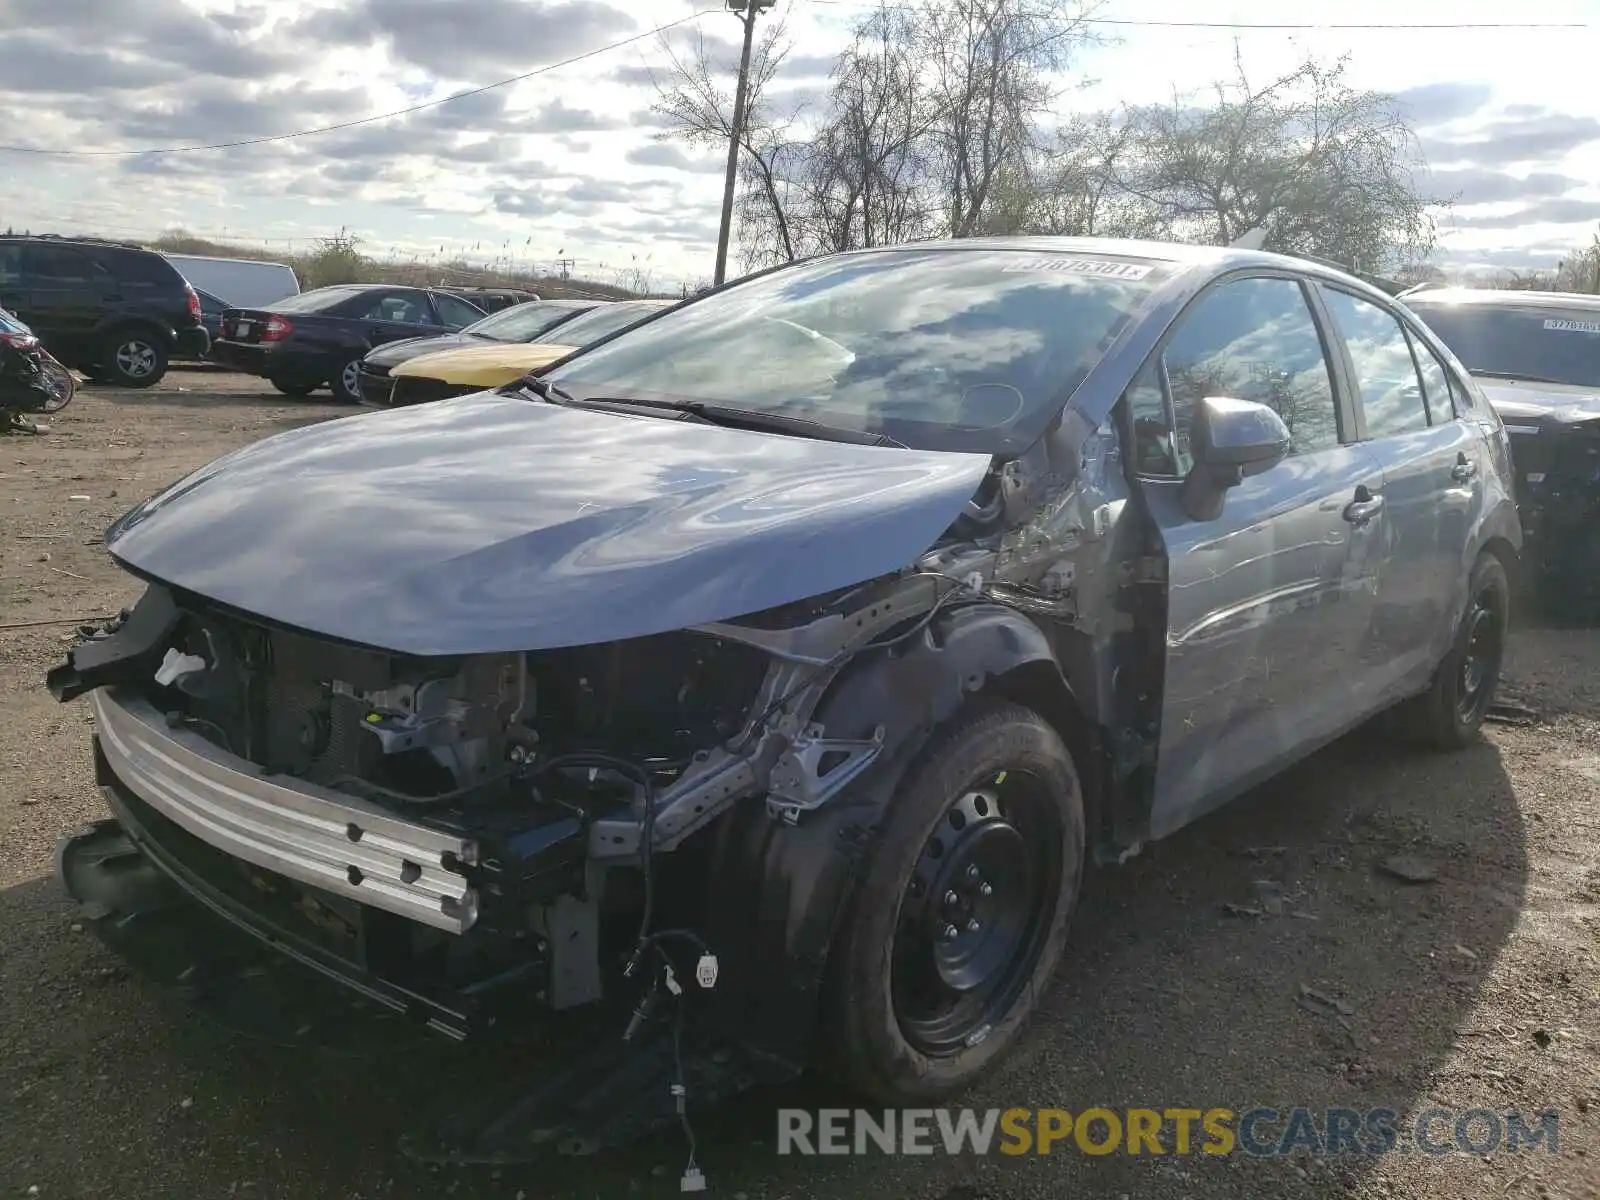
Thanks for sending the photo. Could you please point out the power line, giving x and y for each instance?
(1137, 23)
(399, 112)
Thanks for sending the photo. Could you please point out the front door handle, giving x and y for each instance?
(1364, 507)
(1464, 469)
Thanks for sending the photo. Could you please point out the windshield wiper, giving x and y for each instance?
(1524, 377)
(548, 392)
(743, 418)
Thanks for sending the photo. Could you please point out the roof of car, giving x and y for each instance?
(72, 240)
(1181, 254)
(1503, 298)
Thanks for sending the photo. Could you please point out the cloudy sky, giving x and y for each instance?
(567, 162)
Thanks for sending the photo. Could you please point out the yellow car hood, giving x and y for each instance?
(482, 366)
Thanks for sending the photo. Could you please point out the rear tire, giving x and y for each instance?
(298, 391)
(985, 837)
(347, 383)
(1449, 714)
(132, 358)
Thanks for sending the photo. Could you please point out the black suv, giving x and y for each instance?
(115, 311)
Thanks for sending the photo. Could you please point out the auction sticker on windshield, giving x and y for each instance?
(1568, 326)
(1083, 266)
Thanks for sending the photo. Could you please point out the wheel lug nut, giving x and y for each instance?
(985, 890)
(948, 932)
(972, 874)
(973, 926)
(951, 898)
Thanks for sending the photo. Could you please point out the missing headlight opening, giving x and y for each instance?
(521, 802)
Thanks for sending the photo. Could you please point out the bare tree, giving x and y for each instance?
(932, 127)
(698, 106)
(989, 63)
(862, 181)
(1579, 271)
(1070, 188)
(1325, 169)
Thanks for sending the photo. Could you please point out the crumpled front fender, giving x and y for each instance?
(778, 892)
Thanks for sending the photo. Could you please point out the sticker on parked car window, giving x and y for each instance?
(1082, 266)
(1569, 326)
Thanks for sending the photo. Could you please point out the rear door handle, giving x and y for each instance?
(1464, 469)
(1364, 507)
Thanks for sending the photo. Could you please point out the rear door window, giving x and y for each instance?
(58, 266)
(10, 265)
(404, 308)
(1436, 387)
(1387, 383)
(457, 314)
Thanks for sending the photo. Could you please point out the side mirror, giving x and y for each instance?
(1229, 439)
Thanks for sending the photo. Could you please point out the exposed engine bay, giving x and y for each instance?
(564, 774)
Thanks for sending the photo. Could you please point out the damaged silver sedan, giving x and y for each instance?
(772, 669)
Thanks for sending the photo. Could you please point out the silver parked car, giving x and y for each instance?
(776, 665)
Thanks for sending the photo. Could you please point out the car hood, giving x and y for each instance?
(493, 523)
(392, 354)
(1516, 401)
(485, 365)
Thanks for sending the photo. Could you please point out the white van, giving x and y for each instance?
(240, 282)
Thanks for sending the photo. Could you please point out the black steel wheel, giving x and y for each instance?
(1449, 715)
(974, 911)
(960, 920)
(1484, 645)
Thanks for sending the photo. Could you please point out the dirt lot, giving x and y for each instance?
(1476, 989)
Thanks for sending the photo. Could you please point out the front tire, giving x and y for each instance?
(132, 358)
(960, 920)
(1449, 714)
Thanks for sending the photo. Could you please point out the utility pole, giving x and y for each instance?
(746, 11)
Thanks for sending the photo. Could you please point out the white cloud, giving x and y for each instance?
(568, 161)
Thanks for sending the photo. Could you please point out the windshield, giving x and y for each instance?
(316, 300)
(949, 348)
(1554, 345)
(523, 322)
(599, 322)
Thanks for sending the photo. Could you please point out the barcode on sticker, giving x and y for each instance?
(1569, 326)
(1081, 266)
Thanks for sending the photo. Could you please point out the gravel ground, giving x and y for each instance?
(1475, 989)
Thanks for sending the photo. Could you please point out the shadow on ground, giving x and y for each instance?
(199, 389)
(1169, 999)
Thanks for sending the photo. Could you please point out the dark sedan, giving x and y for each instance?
(318, 338)
(1537, 355)
(520, 323)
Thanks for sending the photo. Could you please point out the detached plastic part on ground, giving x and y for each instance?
(515, 1097)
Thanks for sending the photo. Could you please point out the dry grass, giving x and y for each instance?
(341, 259)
